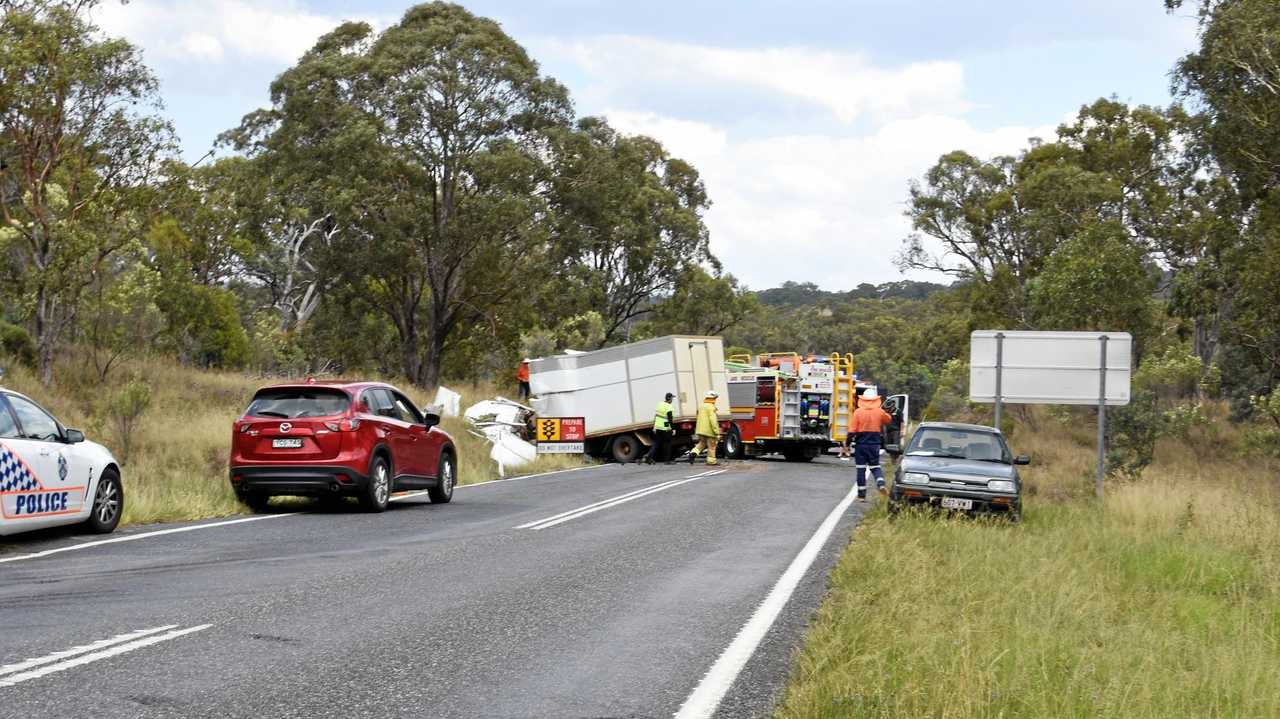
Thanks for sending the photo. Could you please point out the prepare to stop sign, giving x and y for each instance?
(561, 434)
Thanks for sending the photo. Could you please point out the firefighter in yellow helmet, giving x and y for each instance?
(707, 429)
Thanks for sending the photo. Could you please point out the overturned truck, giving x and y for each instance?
(616, 390)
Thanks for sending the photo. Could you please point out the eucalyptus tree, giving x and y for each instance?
(425, 144)
(80, 136)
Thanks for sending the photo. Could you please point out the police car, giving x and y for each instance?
(50, 476)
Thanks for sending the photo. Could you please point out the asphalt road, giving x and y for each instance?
(500, 604)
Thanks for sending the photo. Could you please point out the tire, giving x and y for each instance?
(626, 448)
(377, 491)
(108, 503)
(733, 448)
(255, 501)
(448, 474)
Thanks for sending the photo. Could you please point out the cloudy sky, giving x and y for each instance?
(806, 119)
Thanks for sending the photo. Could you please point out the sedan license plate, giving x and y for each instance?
(956, 503)
(288, 443)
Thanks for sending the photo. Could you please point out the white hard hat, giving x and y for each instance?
(871, 393)
(712, 394)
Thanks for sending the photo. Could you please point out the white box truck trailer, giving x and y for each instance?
(617, 389)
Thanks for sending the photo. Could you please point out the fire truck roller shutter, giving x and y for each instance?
(743, 395)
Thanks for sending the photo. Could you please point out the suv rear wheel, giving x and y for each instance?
(377, 492)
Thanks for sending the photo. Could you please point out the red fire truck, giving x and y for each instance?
(781, 403)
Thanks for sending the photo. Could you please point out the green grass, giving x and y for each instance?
(178, 466)
(1163, 602)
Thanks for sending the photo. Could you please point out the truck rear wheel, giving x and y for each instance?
(626, 448)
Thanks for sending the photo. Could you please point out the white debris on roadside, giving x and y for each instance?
(505, 424)
(449, 402)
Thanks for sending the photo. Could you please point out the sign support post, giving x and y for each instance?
(999, 373)
(1102, 420)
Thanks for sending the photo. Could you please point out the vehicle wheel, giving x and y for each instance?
(733, 448)
(108, 504)
(448, 474)
(626, 448)
(255, 501)
(377, 493)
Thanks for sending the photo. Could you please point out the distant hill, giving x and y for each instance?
(796, 294)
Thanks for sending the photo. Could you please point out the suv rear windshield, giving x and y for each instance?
(298, 403)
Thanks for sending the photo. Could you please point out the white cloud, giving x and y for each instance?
(277, 31)
(795, 197)
(843, 83)
(816, 207)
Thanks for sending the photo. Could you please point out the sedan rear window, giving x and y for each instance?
(958, 444)
(298, 403)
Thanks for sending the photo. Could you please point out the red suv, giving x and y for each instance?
(329, 440)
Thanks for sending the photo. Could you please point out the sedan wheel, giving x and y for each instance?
(108, 504)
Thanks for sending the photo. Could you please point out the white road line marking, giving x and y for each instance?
(14, 679)
(595, 504)
(548, 522)
(706, 697)
(211, 525)
(639, 491)
(143, 535)
(82, 649)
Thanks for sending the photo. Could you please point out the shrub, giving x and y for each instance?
(15, 342)
(1132, 431)
(125, 408)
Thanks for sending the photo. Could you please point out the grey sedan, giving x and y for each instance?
(963, 467)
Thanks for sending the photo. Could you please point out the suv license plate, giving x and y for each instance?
(956, 503)
(290, 443)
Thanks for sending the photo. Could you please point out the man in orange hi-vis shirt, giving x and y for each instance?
(522, 376)
(865, 425)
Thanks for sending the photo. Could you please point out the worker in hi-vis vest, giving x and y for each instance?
(865, 425)
(707, 429)
(664, 416)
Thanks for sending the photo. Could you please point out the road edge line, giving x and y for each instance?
(705, 699)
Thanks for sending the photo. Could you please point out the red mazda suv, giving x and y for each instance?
(329, 440)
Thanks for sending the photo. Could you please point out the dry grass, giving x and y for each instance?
(178, 467)
(1162, 602)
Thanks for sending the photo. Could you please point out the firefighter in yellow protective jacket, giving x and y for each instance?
(707, 429)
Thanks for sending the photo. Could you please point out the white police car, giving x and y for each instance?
(49, 475)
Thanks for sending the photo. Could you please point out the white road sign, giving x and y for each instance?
(1049, 367)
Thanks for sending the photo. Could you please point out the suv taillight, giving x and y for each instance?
(244, 428)
(349, 425)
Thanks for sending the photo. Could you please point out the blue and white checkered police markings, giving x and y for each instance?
(50, 475)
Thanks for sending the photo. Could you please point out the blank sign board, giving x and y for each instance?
(1049, 367)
